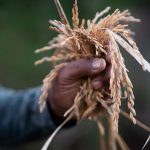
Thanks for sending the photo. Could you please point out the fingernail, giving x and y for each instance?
(97, 63)
(97, 85)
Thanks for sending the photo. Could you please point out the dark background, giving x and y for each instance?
(24, 28)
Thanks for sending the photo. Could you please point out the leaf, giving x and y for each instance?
(132, 51)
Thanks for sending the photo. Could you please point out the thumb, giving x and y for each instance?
(83, 67)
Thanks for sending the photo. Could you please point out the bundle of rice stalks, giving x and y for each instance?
(89, 39)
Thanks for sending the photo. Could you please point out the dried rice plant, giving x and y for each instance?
(93, 38)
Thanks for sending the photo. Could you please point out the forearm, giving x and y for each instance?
(20, 119)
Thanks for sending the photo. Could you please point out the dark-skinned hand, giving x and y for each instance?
(68, 81)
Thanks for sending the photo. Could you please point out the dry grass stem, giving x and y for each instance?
(139, 123)
(47, 143)
(122, 144)
(89, 39)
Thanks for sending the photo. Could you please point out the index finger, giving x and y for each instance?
(108, 55)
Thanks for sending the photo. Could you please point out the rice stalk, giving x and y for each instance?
(89, 39)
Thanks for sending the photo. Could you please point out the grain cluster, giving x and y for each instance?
(94, 39)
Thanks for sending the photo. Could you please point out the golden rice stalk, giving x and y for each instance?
(78, 42)
(75, 18)
(47, 83)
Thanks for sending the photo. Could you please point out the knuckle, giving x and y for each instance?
(62, 76)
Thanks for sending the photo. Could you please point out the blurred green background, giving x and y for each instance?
(24, 28)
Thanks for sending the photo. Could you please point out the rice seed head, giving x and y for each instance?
(75, 18)
(94, 40)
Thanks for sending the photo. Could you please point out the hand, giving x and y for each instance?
(67, 83)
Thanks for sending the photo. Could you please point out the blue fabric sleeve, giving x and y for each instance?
(20, 119)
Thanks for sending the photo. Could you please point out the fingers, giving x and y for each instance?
(83, 67)
(101, 80)
(108, 56)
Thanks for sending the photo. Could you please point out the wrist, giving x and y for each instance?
(57, 113)
(54, 109)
